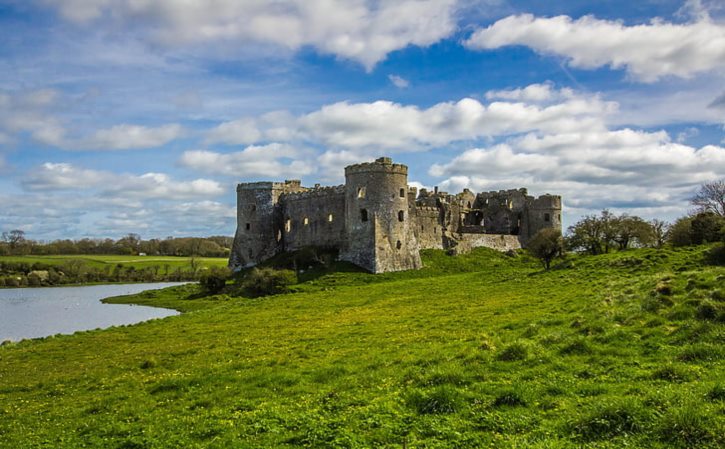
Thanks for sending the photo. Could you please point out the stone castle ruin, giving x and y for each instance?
(376, 221)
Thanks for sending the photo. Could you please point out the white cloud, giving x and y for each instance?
(399, 128)
(125, 137)
(535, 93)
(647, 51)
(273, 160)
(32, 112)
(353, 29)
(64, 176)
(398, 81)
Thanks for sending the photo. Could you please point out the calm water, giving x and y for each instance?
(40, 312)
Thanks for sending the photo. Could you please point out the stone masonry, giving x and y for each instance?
(379, 223)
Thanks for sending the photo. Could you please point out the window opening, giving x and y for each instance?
(363, 215)
(329, 218)
(288, 225)
(398, 245)
(402, 193)
(248, 226)
(547, 217)
(361, 192)
(306, 221)
(401, 215)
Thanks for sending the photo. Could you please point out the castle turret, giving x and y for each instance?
(543, 212)
(256, 238)
(378, 228)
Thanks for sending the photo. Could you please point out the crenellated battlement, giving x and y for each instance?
(383, 164)
(316, 192)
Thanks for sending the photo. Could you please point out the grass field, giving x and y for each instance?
(104, 260)
(482, 350)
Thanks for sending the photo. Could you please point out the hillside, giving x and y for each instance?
(483, 350)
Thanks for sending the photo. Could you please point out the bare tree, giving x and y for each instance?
(711, 198)
(14, 237)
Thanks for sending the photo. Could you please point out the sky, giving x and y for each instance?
(141, 116)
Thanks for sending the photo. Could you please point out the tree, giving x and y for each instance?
(632, 229)
(546, 245)
(14, 237)
(711, 198)
(586, 234)
(680, 233)
(707, 227)
(660, 230)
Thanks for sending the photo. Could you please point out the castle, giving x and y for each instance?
(376, 221)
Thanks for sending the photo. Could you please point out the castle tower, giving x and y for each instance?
(258, 235)
(543, 212)
(378, 228)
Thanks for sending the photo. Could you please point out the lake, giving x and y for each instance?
(40, 312)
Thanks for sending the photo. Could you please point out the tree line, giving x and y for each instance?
(15, 243)
(600, 234)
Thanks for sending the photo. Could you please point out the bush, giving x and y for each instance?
(716, 255)
(214, 280)
(268, 281)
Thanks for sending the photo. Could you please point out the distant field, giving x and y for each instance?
(135, 261)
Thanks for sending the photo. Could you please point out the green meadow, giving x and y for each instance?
(482, 350)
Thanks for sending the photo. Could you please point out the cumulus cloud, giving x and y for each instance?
(398, 81)
(647, 51)
(353, 29)
(273, 160)
(64, 176)
(611, 168)
(395, 127)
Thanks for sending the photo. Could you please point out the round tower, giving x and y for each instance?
(258, 235)
(379, 235)
(544, 212)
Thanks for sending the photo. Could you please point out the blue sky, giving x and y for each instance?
(121, 116)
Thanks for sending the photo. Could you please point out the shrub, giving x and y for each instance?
(268, 281)
(716, 255)
(214, 280)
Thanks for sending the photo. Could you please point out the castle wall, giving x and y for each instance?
(315, 217)
(427, 228)
(500, 242)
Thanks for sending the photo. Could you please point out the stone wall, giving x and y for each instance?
(499, 242)
(315, 217)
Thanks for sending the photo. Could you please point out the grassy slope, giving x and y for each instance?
(483, 350)
(100, 261)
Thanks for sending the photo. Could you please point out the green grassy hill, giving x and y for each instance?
(481, 350)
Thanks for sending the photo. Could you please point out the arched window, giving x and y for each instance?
(361, 192)
(401, 215)
(329, 218)
(363, 215)
(306, 221)
(402, 193)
